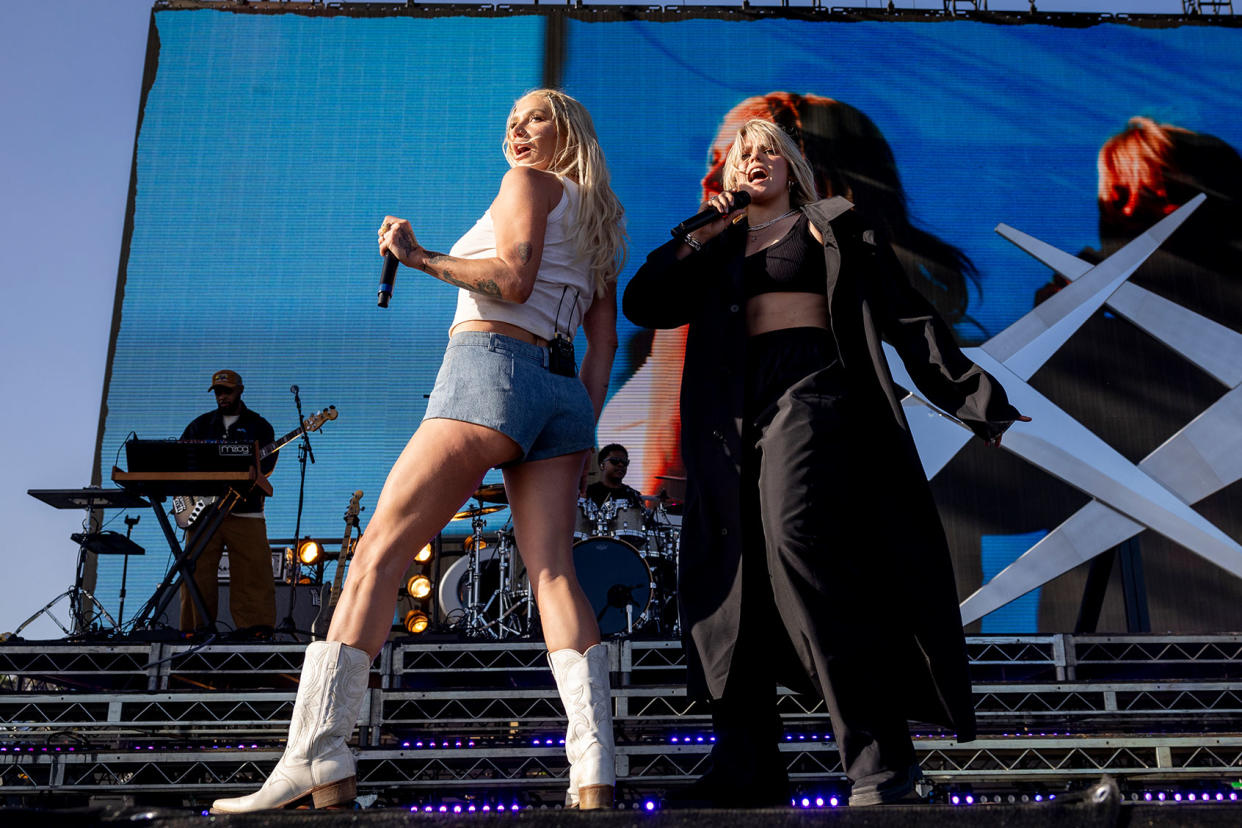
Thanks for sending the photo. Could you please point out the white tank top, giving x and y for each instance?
(563, 288)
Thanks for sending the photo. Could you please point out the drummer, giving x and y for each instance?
(614, 462)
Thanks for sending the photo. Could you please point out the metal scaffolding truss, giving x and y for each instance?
(165, 666)
(1107, 653)
(641, 713)
(411, 661)
(73, 665)
(1135, 761)
(466, 716)
(156, 666)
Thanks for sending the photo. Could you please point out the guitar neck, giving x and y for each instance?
(347, 551)
(279, 443)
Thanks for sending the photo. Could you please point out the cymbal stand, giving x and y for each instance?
(666, 538)
(475, 624)
(510, 598)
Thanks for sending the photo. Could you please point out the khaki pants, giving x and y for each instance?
(252, 592)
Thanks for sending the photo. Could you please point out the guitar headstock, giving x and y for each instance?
(315, 421)
(354, 507)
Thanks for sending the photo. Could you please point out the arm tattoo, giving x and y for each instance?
(437, 265)
(403, 240)
(524, 252)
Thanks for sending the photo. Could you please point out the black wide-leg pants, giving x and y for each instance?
(810, 595)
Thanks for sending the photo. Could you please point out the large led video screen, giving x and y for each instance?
(271, 146)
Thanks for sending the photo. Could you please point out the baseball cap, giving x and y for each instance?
(229, 379)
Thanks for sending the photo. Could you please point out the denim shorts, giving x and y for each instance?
(504, 384)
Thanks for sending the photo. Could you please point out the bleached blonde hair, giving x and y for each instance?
(600, 236)
(767, 134)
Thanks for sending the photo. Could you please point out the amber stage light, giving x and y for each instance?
(419, 586)
(416, 621)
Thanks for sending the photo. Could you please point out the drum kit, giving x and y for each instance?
(625, 555)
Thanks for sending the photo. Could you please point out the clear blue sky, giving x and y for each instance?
(70, 78)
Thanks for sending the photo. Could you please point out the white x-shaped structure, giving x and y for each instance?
(1201, 458)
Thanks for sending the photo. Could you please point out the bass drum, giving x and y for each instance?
(614, 577)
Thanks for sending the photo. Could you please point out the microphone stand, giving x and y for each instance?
(288, 624)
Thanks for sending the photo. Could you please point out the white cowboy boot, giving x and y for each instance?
(317, 762)
(582, 681)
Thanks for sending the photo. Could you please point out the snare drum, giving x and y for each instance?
(617, 582)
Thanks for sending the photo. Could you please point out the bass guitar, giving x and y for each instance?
(330, 594)
(186, 509)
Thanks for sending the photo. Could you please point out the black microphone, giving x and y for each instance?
(293, 389)
(701, 219)
(388, 277)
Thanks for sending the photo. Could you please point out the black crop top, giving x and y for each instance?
(795, 264)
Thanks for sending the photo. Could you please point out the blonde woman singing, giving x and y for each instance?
(543, 259)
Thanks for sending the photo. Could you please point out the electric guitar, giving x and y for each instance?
(186, 509)
(330, 594)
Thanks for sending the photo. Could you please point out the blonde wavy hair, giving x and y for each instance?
(600, 239)
(767, 134)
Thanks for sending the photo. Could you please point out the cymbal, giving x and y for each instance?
(670, 477)
(491, 493)
(475, 512)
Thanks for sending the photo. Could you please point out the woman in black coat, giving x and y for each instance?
(812, 553)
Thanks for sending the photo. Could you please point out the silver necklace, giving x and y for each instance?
(759, 227)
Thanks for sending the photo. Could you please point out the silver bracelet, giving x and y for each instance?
(692, 242)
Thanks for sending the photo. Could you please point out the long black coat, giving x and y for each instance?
(907, 584)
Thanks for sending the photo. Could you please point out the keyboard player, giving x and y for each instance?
(252, 592)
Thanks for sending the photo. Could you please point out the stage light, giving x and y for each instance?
(423, 555)
(309, 552)
(416, 622)
(419, 586)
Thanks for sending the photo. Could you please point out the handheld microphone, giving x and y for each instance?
(388, 277)
(740, 199)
